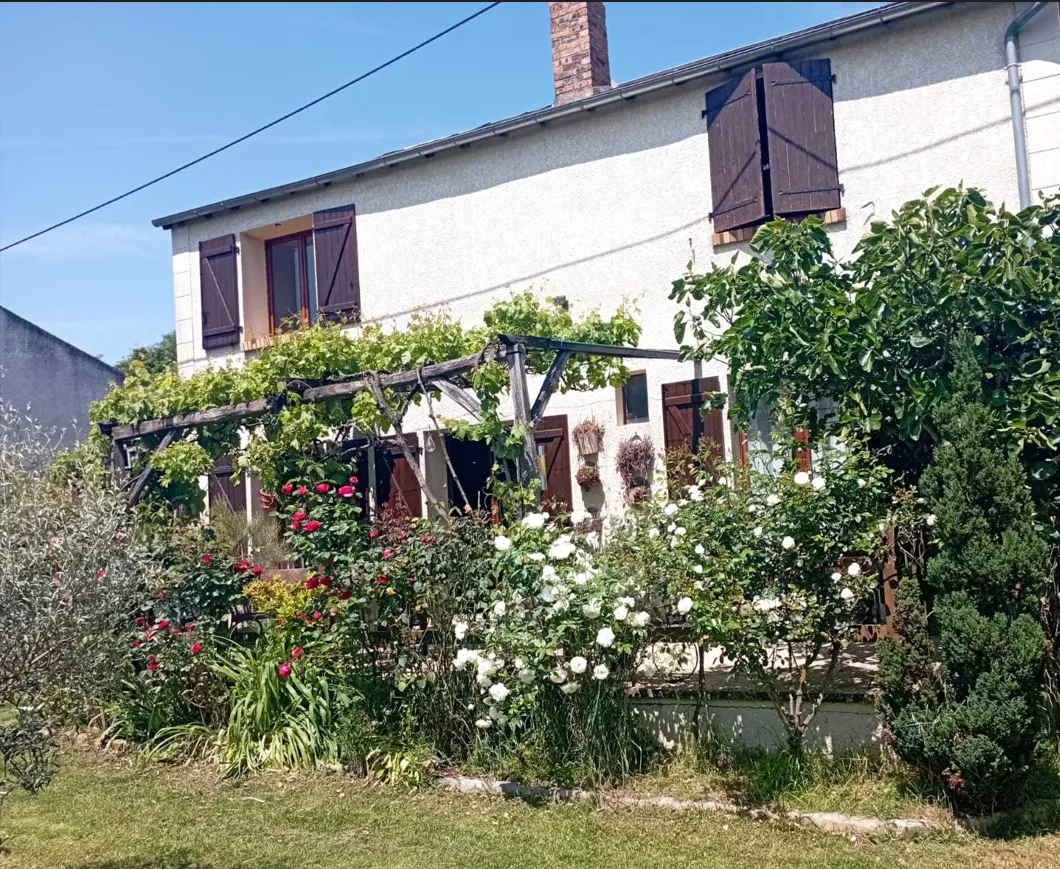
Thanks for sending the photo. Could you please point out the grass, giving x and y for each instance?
(114, 814)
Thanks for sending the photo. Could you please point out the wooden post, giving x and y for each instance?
(149, 471)
(552, 379)
(521, 413)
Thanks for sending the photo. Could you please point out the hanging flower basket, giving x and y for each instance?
(268, 500)
(588, 477)
(589, 436)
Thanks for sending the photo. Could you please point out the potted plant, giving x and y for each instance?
(589, 436)
(588, 476)
(635, 460)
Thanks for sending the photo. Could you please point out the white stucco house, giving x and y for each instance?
(608, 193)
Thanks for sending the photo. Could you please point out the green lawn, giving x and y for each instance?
(109, 814)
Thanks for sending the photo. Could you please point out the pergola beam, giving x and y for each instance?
(531, 342)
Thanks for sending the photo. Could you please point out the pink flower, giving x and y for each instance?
(257, 569)
(299, 515)
(196, 648)
(152, 665)
(353, 481)
(284, 670)
(162, 625)
(140, 622)
(387, 553)
(373, 533)
(241, 565)
(102, 573)
(136, 644)
(296, 653)
(347, 491)
(296, 525)
(207, 558)
(323, 488)
(311, 526)
(302, 490)
(287, 488)
(189, 628)
(318, 615)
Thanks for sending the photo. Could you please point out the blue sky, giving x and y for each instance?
(96, 98)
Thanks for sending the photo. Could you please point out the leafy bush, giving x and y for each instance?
(973, 723)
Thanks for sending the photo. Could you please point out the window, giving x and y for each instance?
(771, 138)
(291, 276)
(635, 399)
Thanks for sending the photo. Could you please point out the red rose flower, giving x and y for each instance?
(344, 594)
(381, 581)
(302, 490)
(296, 525)
(140, 622)
(318, 615)
(241, 565)
(299, 615)
(296, 653)
(353, 481)
(189, 629)
(176, 632)
(299, 515)
(311, 526)
(196, 648)
(325, 580)
(387, 553)
(323, 488)
(284, 670)
(207, 558)
(136, 644)
(347, 491)
(373, 533)
(312, 583)
(162, 625)
(287, 488)
(152, 665)
(257, 570)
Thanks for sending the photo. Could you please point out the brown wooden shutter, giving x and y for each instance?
(335, 248)
(803, 168)
(734, 140)
(551, 433)
(220, 292)
(223, 487)
(396, 485)
(684, 421)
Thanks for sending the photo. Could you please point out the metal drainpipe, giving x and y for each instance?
(1015, 92)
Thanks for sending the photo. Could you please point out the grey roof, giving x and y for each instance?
(678, 75)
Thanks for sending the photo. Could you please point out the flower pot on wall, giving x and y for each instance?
(589, 436)
(588, 477)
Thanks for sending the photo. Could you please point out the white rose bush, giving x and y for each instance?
(775, 568)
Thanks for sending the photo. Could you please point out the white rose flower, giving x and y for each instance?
(684, 605)
(497, 715)
(498, 692)
(464, 657)
(819, 483)
(579, 516)
(536, 556)
(483, 724)
(671, 528)
(620, 613)
(548, 573)
(773, 500)
(502, 543)
(578, 665)
(931, 519)
(570, 687)
(605, 637)
(483, 681)
(757, 531)
(695, 493)
(675, 542)
(653, 533)
(837, 576)
(600, 672)
(485, 666)
(670, 509)
(854, 569)
(526, 676)
(765, 604)
(534, 521)
(699, 549)
(682, 503)
(500, 608)
(591, 610)
(801, 478)
(627, 601)
(558, 675)
(861, 483)
(460, 631)
(561, 550)
(548, 594)
(788, 542)
(639, 620)
(846, 594)
(680, 531)
(697, 568)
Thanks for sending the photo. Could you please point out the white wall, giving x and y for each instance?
(1039, 45)
(615, 204)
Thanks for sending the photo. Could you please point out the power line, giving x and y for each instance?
(260, 129)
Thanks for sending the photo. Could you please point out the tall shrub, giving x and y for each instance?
(973, 722)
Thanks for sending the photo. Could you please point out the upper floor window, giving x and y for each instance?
(635, 398)
(292, 282)
(771, 136)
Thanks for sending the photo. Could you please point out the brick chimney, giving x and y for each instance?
(580, 64)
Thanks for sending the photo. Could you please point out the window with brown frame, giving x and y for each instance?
(291, 276)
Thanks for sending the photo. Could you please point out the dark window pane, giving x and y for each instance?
(635, 398)
(285, 284)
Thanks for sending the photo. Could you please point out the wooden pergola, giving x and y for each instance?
(446, 377)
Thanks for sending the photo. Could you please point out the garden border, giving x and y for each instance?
(827, 822)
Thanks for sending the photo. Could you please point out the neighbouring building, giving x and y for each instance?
(49, 379)
(609, 193)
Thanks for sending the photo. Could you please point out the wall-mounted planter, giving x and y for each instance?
(268, 500)
(588, 477)
(589, 437)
